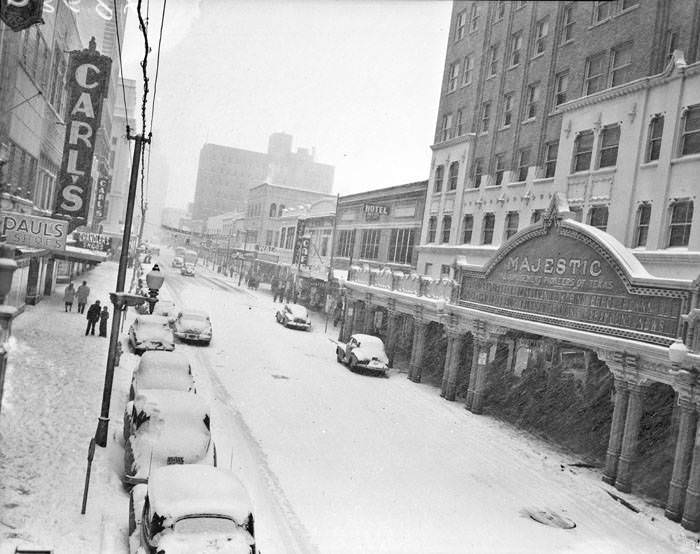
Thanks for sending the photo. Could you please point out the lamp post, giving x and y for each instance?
(7, 269)
(154, 280)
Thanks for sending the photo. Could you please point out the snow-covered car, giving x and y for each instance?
(166, 308)
(363, 352)
(167, 427)
(293, 315)
(191, 508)
(187, 270)
(151, 332)
(178, 261)
(193, 325)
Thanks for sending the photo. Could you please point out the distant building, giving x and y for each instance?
(225, 174)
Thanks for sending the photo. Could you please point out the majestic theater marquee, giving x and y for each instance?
(562, 275)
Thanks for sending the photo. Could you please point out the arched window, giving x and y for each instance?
(439, 175)
(446, 228)
(452, 177)
(273, 210)
(680, 224)
(280, 210)
(487, 231)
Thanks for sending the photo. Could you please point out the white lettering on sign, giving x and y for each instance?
(34, 231)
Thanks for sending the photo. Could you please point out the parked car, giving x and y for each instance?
(191, 508)
(166, 308)
(193, 325)
(363, 352)
(151, 332)
(167, 427)
(293, 315)
(178, 261)
(187, 270)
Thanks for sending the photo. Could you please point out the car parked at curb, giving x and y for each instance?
(166, 308)
(193, 325)
(293, 315)
(364, 352)
(191, 508)
(151, 332)
(166, 428)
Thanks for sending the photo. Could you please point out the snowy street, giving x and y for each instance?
(334, 461)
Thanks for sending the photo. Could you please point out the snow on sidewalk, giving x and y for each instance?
(53, 394)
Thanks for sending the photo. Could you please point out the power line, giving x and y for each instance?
(155, 81)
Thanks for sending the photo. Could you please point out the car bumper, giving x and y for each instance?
(193, 336)
(154, 346)
(374, 367)
(297, 325)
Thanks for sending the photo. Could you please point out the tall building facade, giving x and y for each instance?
(225, 174)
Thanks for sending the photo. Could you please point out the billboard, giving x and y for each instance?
(34, 231)
(87, 81)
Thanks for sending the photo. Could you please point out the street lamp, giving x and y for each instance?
(154, 280)
(678, 352)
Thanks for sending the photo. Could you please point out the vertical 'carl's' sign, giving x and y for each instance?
(88, 78)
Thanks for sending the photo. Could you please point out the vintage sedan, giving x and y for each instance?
(193, 325)
(167, 427)
(151, 332)
(364, 352)
(178, 261)
(187, 270)
(191, 508)
(166, 308)
(294, 315)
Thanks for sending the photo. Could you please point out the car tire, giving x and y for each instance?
(127, 428)
(128, 462)
(131, 392)
(215, 457)
(339, 355)
(353, 363)
(132, 516)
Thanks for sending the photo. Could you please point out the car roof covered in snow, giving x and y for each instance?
(367, 340)
(186, 312)
(158, 359)
(159, 369)
(169, 404)
(146, 319)
(177, 491)
(297, 309)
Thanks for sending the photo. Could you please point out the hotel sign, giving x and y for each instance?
(88, 77)
(564, 277)
(373, 211)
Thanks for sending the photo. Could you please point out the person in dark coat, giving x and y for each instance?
(93, 316)
(338, 311)
(83, 293)
(69, 296)
(104, 316)
(277, 289)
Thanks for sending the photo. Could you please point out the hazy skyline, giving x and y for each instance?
(359, 81)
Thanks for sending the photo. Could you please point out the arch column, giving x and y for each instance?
(617, 429)
(691, 510)
(420, 332)
(392, 335)
(685, 442)
(357, 315)
(368, 320)
(452, 361)
(635, 406)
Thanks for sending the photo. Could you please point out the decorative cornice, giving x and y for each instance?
(469, 137)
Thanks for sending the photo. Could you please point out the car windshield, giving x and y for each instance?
(373, 346)
(194, 316)
(154, 325)
(208, 524)
(298, 311)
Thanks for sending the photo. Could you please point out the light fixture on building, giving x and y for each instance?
(678, 352)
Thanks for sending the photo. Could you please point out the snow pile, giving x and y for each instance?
(163, 370)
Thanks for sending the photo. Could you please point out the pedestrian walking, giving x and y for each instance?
(83, 293)
(93, 316)
(288, 292)
(338, 311)
(69, 296)
(275, 287)
(104, 317)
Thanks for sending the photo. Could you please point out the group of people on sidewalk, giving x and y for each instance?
(95, 312)
(286, 292)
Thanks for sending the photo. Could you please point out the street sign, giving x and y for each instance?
(34, 231)
(21, 14)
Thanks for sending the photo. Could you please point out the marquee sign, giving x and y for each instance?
(560, 275)
(92, 241)
(88, 77)
(21, 14)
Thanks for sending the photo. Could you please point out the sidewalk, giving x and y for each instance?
(53, 394)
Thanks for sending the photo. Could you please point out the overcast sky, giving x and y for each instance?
(357, 80)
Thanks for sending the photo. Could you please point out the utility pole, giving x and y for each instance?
(103, 422)
(240, 269)
(330, 264)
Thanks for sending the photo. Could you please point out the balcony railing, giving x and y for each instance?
(406, 283)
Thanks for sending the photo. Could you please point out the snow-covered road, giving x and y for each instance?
(342, 462)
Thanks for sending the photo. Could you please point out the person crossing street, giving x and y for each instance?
(93, 316)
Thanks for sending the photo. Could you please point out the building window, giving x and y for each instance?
(656, 129)
(671, 42)
(627, 4)
(550, 158)
(291, 232)
(533, 98)
(446, 132)
(444, 271)
(474, 17)
(500, 10)
(681, 220)
(280, 210)
(567, 31)
(453, 77)
(460, 25)
(621, 64)
(536, 216)
(325, 240)
(609, 142)
(268, 237)
(583, 148)
(346, 243)
(446, 228)
(500, 169)
(516, 44)
(642, 231)
(690, 139)
(598, 217)
(507, 109)
(467, 228)
(273, 210)
(439, 177)
(428, 268)
(541, 32)
(488, 226)
(602, 10)
(452, 176)
(401, 246)
(369, 248)
(478, 172)
(468, 69)
(432, 228)
(595, 74)
(512, 221)
(493, 60)
(460, 124)
(485, 116)
(577, 213)
(562, 86)
(523, 163)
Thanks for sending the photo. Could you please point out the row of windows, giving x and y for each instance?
(401, 244)
(48, 74)
(255, 210)
(679, 226)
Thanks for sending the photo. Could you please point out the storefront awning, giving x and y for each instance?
(75, 254)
